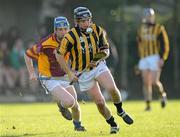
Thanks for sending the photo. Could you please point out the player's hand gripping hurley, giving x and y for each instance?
(99, 56)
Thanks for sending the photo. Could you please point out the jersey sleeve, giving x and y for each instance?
(138, 42)
(33, 52)
(164, 43)
(103, 42)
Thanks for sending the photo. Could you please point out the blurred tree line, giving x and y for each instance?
(121, 20)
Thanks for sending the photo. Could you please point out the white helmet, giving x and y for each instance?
(148, 15)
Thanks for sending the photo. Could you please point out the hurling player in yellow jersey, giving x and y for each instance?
(48, 67)
(153, 47)
(84, 42)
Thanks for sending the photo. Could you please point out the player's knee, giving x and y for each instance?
(156, 83)
(113, 89)
(69, 103)
(76, 107)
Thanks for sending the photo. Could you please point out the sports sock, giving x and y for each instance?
(59, 105)
(119, 107)
(148, 103)
(111, 122)
(77, 124)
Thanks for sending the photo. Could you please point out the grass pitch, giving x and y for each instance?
(44, 120)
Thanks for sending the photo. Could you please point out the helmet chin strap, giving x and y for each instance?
(81, 29)
(58, 38)
(88, 30)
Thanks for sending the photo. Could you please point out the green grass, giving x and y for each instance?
(43, 120)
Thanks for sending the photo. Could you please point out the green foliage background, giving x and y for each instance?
(120, 17)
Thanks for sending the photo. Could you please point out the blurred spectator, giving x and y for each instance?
(2, 33)
(17, 63)
(6, 81)
(12, 36)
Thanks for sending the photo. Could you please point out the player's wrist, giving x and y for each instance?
(93, 63)
(31, 73)
(70, 73)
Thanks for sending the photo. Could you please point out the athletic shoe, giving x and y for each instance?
(163, 101)
(65, 113)
(127, 119)
(80, 128)
(114, 130)
(148, 108)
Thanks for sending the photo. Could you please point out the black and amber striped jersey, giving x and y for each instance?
(82, 47)
(152, 39)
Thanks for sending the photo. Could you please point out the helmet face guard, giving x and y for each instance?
(81, 13)
(61, 22)
(148, 15)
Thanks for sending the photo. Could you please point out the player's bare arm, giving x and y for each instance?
(30, 67)
(64, 65)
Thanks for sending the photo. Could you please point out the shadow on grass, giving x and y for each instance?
(51, 134)
(29, 135)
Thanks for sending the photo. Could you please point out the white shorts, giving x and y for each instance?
(150, 62)
(49, 85)
(87, 79)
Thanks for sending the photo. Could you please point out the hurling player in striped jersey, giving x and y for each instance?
(153, 47)
(88, 47)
